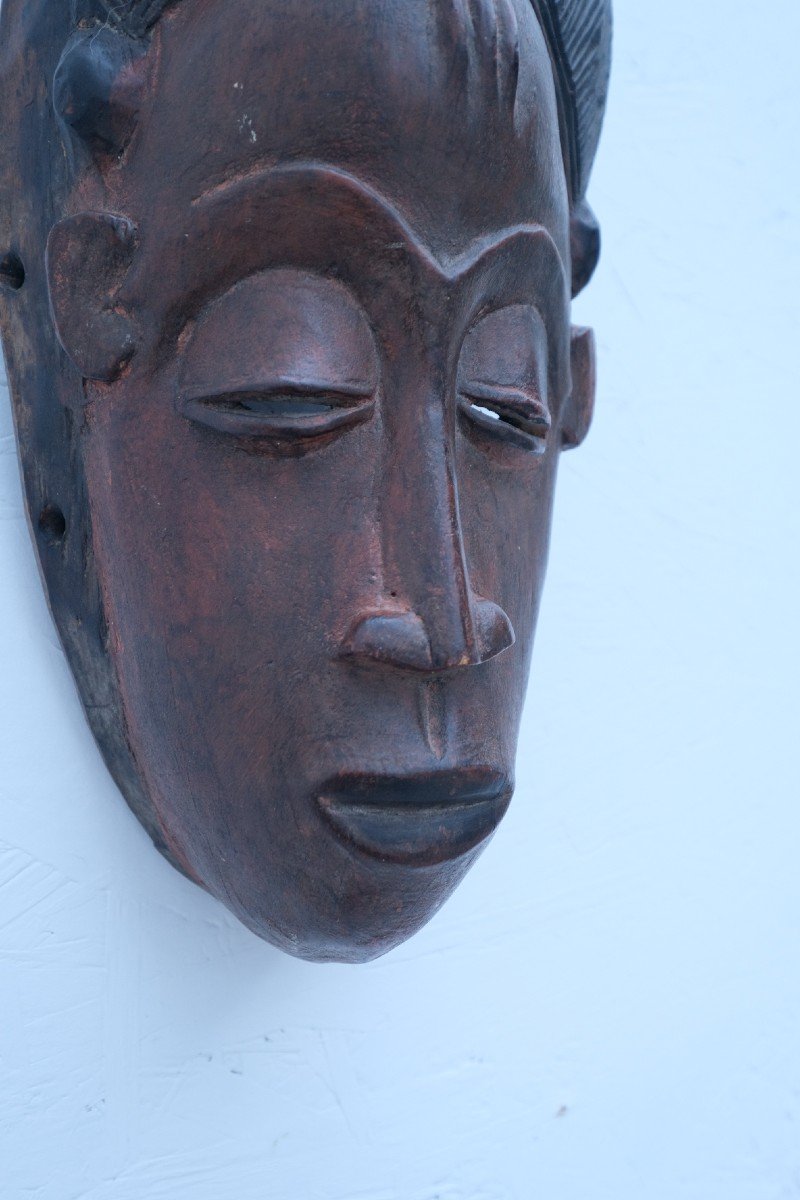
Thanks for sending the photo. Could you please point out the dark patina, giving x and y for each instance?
(285, 294)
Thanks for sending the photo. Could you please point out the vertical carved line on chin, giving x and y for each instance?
(432, 717)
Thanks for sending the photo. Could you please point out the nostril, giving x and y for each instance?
(401, 640)
(493, 629)
(397, 640)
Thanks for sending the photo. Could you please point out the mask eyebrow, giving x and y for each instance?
(500, 244)
(315, 217)
(263, 179)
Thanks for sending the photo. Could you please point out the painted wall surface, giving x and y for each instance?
(610, 1007)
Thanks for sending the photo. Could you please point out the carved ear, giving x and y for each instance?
(88, 257)
(97, 89)
(580, 406)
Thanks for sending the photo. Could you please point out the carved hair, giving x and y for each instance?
(579, 37)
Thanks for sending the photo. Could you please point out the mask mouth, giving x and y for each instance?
(416, 820)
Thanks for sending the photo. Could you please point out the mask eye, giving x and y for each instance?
(506, 414)
(280, 412)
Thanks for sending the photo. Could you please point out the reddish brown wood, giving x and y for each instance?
(286, 293)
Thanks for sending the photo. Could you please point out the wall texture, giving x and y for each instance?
(610, 1007)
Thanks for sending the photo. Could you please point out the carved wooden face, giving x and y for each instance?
(321, 304)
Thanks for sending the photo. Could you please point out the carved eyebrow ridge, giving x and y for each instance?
(449, 268)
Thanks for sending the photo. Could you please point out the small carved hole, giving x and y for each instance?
(12, 272)
(52, 524)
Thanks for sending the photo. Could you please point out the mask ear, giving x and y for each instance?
(88, 257)
(580, 406)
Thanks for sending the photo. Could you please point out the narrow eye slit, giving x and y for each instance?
(277, 406)
(487, 412)
(279, 412)
(508, 415)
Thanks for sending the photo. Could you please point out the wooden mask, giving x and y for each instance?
(285, 291)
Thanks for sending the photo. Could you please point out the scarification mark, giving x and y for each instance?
(507, 53)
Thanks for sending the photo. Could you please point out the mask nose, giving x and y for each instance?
(439, 623)
(401, 640)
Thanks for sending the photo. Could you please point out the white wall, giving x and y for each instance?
(610, 1007)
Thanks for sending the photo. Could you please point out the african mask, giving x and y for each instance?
(286, 311)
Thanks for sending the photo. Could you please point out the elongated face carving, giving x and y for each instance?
(312, 275)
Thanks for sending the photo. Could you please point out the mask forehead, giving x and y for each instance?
(447, 109)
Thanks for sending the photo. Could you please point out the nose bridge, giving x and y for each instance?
(424, 556)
